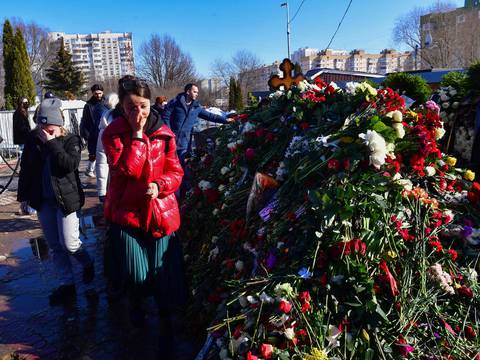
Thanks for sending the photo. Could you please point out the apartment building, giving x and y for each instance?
(450, 39)
(100, 56)
(359, 60)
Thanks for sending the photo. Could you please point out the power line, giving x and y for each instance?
(296, 12)
(339, 24)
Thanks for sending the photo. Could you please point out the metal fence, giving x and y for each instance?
(72, 112)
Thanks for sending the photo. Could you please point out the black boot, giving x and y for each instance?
(62, 295)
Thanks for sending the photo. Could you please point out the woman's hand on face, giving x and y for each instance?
(46, 135)
(152, 191)
(137, 120)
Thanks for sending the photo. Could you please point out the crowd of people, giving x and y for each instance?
(138, 153)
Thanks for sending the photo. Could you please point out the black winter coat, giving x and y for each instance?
(21, 128)
(65, 153)
(92, 113)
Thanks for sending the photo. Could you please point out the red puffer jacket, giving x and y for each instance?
(134, 163)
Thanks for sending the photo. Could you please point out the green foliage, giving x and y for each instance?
(238, 96)
(18, 76)
(457, 80)
(63, 78)
(473, 73)
(235, 98)
(23, 85)
(8, 50)
(231, 93)
(412, 86)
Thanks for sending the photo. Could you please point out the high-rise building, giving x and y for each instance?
(99, 56)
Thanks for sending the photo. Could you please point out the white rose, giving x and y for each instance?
(439, 133)
(407, 184)
(453, 92)
(444, 97)
(396, 116)
(289, 333)
(430, 170)
(224, 170)
(445, 105)
(239, 265)
(399, 129)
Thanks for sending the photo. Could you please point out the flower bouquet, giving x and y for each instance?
(360, 240)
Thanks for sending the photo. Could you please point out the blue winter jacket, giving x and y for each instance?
(182, 119)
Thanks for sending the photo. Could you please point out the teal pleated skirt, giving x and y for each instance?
(144, 265)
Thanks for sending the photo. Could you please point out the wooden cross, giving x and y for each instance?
(286, 67)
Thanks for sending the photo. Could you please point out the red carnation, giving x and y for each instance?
(304, 296)
(333, 164)
(285, 306)
(466, 292)
(306, 307)
(472, 197)
(470, 334)
(250, 356)
(346, 164)
(266, 350)
(453, 254)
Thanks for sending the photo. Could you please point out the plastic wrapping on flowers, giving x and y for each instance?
(328, 224)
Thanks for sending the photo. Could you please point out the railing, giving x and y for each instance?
(72, 112)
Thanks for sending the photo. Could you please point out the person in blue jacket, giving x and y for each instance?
(181, 114)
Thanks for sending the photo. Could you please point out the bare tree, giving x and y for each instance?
(240, 67)
(164, 64)
(407, 31)
(40, 51)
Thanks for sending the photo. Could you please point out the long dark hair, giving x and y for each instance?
(130, 84)
(20, 106)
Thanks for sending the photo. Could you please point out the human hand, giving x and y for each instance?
(230, 120)
(47, 135)
(136, 120)
(152, 191)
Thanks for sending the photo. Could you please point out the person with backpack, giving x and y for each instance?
(49, 183)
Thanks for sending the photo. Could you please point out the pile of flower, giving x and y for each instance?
(449, 100)
(328, 224)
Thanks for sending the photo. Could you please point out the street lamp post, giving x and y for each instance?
(288, 27)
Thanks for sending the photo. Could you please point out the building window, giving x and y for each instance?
(460, 19)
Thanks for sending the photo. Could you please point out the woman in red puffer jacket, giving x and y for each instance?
(143, 256)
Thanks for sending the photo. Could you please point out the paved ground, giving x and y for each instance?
(31, 328)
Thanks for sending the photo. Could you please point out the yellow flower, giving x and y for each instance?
(392, 254)
(469, 175)
(346, 139)
(451, 161)
(365, 335)
(315, 354)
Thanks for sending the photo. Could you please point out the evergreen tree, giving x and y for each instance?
(231, 93)
(238, 96)
(8, 56)
(23, 85)
(63, 78)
